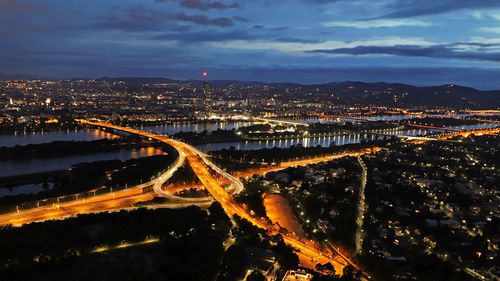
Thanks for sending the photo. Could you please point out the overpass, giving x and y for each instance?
(92, 202)
(405, 137)
(281, 121)
(434, 127)
(204, 170)
(271, 120)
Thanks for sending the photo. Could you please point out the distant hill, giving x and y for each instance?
(135, 81)
(346, 92)
(401, 94)
(5, 77)
(388, 94)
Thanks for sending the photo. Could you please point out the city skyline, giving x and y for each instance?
(413, 42)
(267, 140)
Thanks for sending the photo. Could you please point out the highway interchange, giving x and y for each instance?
(309, 252)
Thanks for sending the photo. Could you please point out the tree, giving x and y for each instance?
(319, 267)
(256, 275)
(326, 268)
(218, 213)
(348, 273)
(329, 268)
(289, 258)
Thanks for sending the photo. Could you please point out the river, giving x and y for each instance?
(44, 137)
(194, 127)
(285, 143)
(24, 166)
(37, 165)
(24, 189)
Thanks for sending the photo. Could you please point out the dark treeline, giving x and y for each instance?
(236, 259)
(278, 155)
(184, 175)
(488, 117)
(442, 122)
(208, 137)
(87, 176)
(252, 196)
(189, 238)
(318, 128)
(63, 148)
(350, 126)
(266, 131)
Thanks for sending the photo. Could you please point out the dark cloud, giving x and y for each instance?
(220, 36)
(322, 2)
(206, 36)
(279, 28)
(274, 29)
(133, 20)
(143, 14)
(204, 20)
(413, 8)
(296, 40)
(7, 7)
(16, 18)
(447, 51)
(13, 30)
(180, 28)
(207, 5)
(108, 18)
(238, 18)
(140, 19)
(203, 4)
(126, 25)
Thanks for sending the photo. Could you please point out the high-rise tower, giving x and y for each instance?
(207, 90)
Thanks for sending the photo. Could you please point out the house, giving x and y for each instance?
(297, 275)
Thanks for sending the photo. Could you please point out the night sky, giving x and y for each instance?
(421, 42)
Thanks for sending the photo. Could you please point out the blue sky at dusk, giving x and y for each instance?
(421, 42)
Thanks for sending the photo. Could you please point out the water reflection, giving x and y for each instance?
(323, 141)
(23, 189)
(44, 137)
(37, 165)
(196, 127)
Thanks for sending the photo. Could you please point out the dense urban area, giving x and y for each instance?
(159, 179)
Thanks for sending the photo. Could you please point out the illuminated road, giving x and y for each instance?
(109, 201)
(434, 127)
(124, 198)
(309, 253)
(268, 120)
(361, 207)
(281, 121)
(157, 187)
(163, 178)
(469, 133)
(305, 162)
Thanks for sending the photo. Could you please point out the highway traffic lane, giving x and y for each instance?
(220, 194)
(61, 212)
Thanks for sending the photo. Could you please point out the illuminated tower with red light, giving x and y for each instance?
(207, 90)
